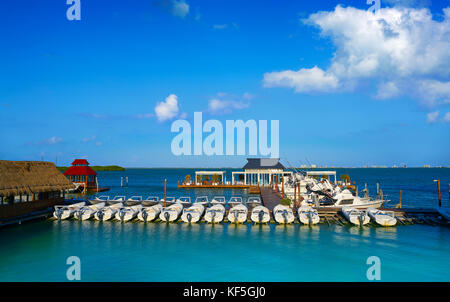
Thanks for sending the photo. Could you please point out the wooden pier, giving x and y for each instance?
(270, 198)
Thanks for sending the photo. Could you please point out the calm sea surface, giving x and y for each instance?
(111, 251)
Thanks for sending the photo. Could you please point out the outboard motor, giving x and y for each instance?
(260, 216)
(309, 217)
(167, 216)
(100, 214)
(58, 213)
(80, 213)
(122, 214)
(189, 217)
(285, 216)
(213, 216)
(144, 214)
(361, 219)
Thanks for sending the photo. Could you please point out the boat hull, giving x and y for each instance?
(260, 214)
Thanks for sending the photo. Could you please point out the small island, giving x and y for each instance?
(99, 168)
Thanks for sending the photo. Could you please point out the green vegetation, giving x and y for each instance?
(345, 177)
(286, 202)
(98, 168)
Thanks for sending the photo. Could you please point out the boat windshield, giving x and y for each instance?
(254, 199)
(185, 199)
(201, 199)
(219, 199)
(235, 200)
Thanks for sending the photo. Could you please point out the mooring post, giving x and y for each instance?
(439, 191)
(357, 193)
(378, 190)
(127, 181)
(381, 194)
(400, 200)
(165, 192)
(282, 187)
(121, 181)
(299, 195)
(295, 197)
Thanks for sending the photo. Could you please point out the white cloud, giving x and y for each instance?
(387, 90)
(53, 140)
(432, 117)
(179, 8)
(220, 26)
(398, 50)
(216, 106)
(168, 109)
(303, 80)
(89, 139)
(447, 117)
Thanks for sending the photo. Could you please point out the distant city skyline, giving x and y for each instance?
(349, 88)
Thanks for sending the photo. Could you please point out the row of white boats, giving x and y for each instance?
(213, 211)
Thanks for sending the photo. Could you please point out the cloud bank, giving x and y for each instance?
(399, 51)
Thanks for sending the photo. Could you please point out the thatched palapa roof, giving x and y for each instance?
(26, 177)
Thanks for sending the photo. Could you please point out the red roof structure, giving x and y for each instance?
(80, 167)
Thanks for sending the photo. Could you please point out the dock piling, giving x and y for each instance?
(439, 191)
(165, 191)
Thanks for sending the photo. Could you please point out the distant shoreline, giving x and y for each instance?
(99, 168)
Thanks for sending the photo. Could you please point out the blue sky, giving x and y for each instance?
(346, 91)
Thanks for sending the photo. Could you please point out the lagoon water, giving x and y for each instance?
(112, 251)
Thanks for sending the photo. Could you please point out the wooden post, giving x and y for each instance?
(381, 194)
(400, 200)
(121, 182)
(378, 190)
(127, 180)
(357, 191)
(165, 192)
(282, 187)
(366, 192)
(439, 191)
(295, 197)
(299, 195)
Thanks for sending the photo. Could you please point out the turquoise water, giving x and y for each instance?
(111, 251)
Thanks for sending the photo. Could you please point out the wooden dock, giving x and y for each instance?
(269, 198)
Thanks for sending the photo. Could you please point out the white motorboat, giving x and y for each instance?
(384, 218)
(215, 214)
(445, 212)
(260, 214)
(148, 214)
(116, 199)
(218, 200)
(150, 201)
(238, 214)
(193, 214)
(169, 201)
(171, 213)
(308, 215)
(203, 200)
(65, 212)
(133, 200)
(185, 201)
(99, 199)
(108, 212)
(253, 201)
(87, 212)
(346, 199)
(235, 200)
(283, 214)
(355, 216)
(128, 213)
